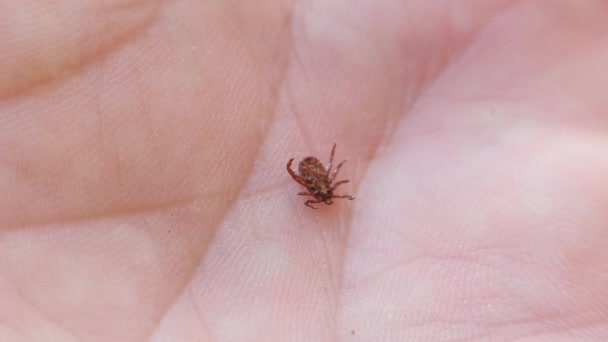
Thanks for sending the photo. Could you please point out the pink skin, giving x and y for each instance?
(143, 192)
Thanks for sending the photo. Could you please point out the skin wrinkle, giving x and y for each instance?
(276, 91)
(40, 72)
(332, 292)
(204, 325)
(424, 86)
(288, 47)
(155, 148)
(106, 5)
(300, 212)
(335, 274)
(333, 287)
(527, 320)
(339, 284)
(549, 326)
(427, 77)
(49, 317)
(114, 214)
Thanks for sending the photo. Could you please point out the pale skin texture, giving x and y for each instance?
(143, 190)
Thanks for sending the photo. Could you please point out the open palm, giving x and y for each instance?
(144, 193)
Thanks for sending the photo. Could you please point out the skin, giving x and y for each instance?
(144, 194)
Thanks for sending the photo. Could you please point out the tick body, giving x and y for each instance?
(318, 180)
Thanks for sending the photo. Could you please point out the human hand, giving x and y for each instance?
(145, 196)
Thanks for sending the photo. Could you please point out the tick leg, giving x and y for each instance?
(305, 194)
(331, 158)
(350, 197)
(309, 202)
(333, 176)
(293, 174)
(335, 185)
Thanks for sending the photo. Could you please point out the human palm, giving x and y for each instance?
(145, 195)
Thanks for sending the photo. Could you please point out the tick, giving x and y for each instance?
(318, 180)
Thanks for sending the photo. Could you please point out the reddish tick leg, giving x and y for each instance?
(350, 197)
(293, 174)
(309, 202)
(333, 176)
(335, 185)
(331, 158)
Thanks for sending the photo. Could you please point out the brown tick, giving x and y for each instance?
(317, 180)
